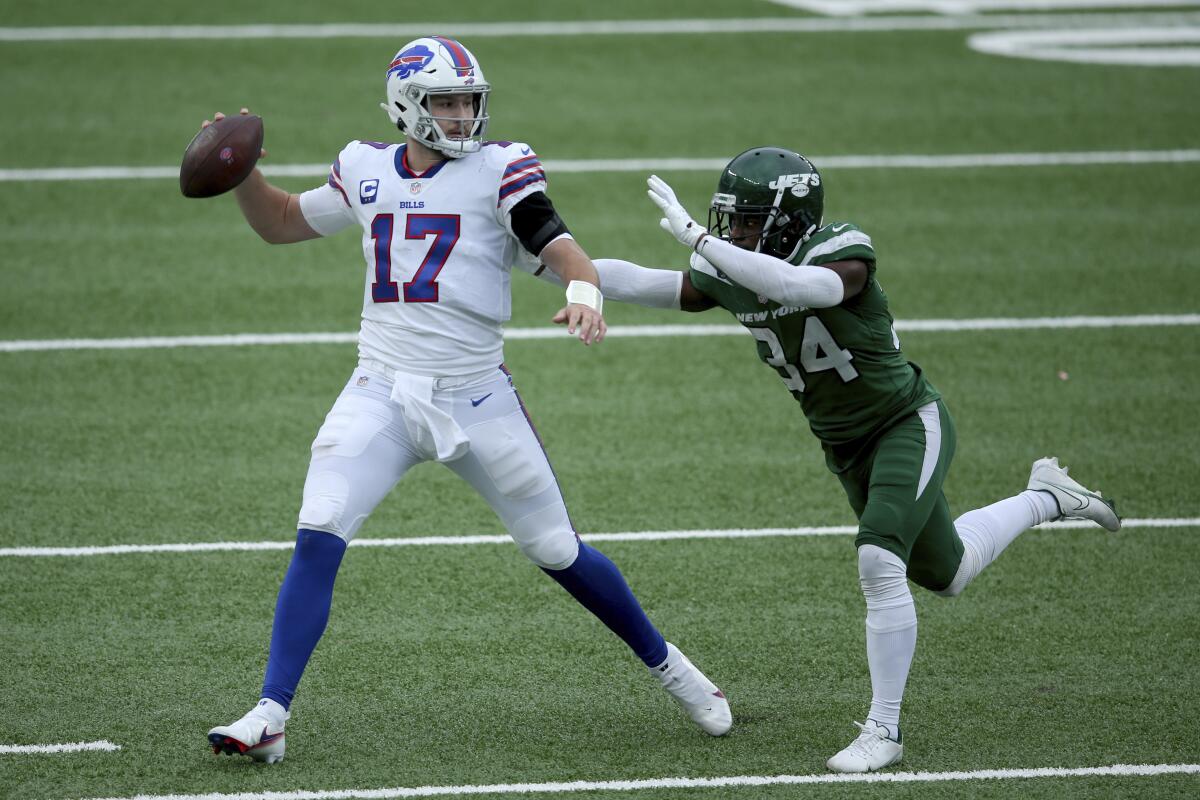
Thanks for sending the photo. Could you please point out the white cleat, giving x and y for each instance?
(872, 750)
(699, 696)
(253, 735)
(1074, 501)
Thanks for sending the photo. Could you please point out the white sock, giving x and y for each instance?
(985, 532)
(891, 632)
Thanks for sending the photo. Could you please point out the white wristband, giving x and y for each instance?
(585, 294)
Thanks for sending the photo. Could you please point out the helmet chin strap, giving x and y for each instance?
(799, 243)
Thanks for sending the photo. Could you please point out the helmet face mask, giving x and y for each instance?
(741, 224)
(768, 200)
(427, 68)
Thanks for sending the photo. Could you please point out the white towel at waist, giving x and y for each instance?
(431, 429)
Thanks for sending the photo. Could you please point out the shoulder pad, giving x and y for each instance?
(834, 228)
(500, 154)
(519, 170)
(346, 164)
(357, 150)
(835, 241)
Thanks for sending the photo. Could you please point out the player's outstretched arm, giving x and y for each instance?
(585, 303)
(821, 286)
(655, 288)
(273, 213)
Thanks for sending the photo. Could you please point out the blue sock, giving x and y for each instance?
(600, 587)
(301, 611)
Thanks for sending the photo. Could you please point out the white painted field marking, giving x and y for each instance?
(617, 331)
(1143, 47)
(654, 27)
(1046, 323)
(854, 7)
(616, 165)
(1114, 771)
(459, 541)
(151, 342)
(73, 747)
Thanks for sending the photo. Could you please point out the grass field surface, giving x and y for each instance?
(462, 666)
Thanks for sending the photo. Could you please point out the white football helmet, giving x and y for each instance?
(435, 65)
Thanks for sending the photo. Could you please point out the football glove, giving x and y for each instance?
(676, 221)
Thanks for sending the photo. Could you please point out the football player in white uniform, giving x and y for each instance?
(444, 217)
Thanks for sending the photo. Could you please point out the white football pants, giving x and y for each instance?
(384, 423)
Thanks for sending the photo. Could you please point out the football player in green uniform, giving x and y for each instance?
(807, 292)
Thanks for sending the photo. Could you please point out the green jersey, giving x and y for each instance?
(844, 363)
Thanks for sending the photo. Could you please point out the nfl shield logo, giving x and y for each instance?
(415, 187)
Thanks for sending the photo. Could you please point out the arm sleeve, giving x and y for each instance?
(788, 284)
(631, 283)
(535, 223)
(326, 210)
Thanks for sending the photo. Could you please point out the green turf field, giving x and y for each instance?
(464, 666)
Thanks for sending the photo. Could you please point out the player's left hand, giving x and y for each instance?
(587, 320)
(676, 221)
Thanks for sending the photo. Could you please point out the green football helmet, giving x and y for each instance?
(772, 190)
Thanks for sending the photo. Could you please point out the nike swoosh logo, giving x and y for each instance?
(268, 738)
(1082, 501)
(475, 402)
(839, 228)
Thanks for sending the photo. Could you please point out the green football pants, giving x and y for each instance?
(896, 491)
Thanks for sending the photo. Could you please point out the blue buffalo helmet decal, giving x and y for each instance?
(409, 62)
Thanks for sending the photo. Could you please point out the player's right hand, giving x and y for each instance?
(589, 322)
(218, 116)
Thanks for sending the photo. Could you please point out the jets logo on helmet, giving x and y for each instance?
(772, 193)
(435, 65)
(797, 183)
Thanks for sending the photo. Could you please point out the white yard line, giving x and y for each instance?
(617, 331)
(646, 165)
(1114, 771)
(73, 747)
(646, 27)
(1177, 46)
(151, 342)
(459, 541)
(855, 7)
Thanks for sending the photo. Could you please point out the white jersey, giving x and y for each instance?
(438, 246)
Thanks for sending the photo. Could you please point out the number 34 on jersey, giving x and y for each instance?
(818, 352)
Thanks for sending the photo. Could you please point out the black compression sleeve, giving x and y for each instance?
(536, 223)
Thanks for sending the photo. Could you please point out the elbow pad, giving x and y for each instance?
(535, 223)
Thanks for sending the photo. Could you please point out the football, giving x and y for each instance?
(220, 156)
